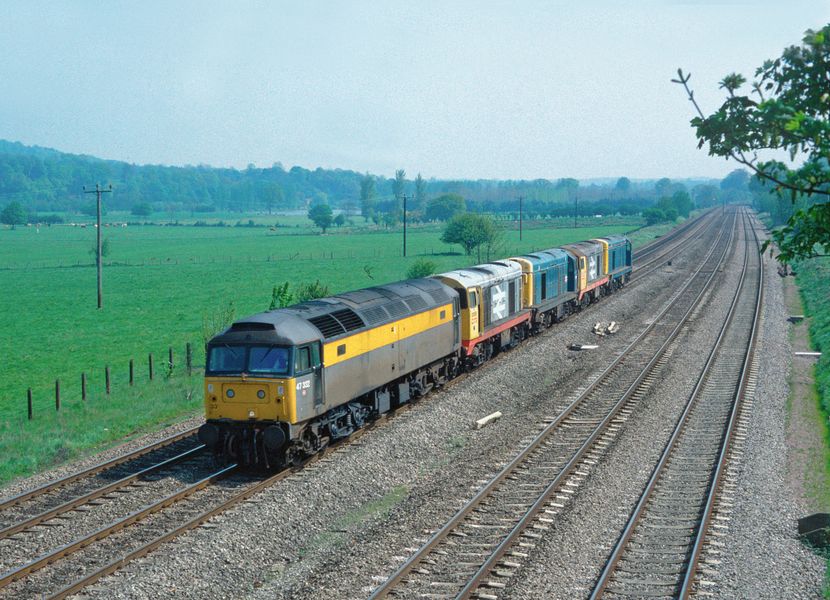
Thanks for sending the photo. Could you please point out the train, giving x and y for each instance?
(281, 385)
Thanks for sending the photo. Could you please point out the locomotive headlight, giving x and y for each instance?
(230, 394)
(260, 394)
(251, 414)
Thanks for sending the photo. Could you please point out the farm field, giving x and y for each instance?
(159, 285)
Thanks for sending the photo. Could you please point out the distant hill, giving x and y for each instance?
(44, 179)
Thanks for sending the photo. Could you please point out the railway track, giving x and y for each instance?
(658, 553)
(105, 549)
(660, 244)
(93, 555)
(483, 544)
(88, 479)
(657, 256)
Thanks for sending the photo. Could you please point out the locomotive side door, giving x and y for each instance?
(474, 302)
(308, 373)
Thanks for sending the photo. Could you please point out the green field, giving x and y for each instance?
(160, 282)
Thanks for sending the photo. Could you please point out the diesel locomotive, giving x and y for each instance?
(282, 384)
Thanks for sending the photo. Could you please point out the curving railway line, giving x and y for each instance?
(477, 551)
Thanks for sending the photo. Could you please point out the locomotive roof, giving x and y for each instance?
(346, 313)
(545, 258)
(615, 239)
(275, 327)
(583, 248)
(491, 272)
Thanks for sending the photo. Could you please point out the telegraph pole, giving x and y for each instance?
(520, 217)
(404, 225)
(98, 191)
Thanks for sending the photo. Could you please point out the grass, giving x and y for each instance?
(813, 279)
(159, 285)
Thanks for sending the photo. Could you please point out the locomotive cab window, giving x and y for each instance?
(302, 360)
(306, 358)
(472, 299)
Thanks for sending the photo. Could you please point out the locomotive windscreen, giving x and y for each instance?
(235, 359)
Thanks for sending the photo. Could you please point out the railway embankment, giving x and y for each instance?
(808, 424)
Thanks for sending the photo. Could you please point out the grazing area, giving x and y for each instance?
(160, 285)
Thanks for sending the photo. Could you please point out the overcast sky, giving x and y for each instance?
(475, 89)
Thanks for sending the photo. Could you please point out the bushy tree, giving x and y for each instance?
(422, 267)
(340, 220)
(786, 110)
(682, 202)
(321, 215)
(653, 216)
(471, 231)
(444, 208)
(14, 214)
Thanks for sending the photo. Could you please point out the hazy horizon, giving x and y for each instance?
(459, 91)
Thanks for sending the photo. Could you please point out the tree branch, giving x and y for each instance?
(740, 158)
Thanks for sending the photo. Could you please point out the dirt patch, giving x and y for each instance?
(806, 429)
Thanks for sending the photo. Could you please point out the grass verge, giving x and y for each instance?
(813, 279)
(83, 427)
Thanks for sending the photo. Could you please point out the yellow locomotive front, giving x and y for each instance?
(260, 383)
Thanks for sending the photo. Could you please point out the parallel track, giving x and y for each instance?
(657, 554)
(42, 502)
(477, 549)
(88, 474)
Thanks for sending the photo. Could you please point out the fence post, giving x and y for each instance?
(57, 394)
(83, 386)
(29, 402)
(132, 372)
(150, 363)
(170, 358)
(107, 377)
(189, 358)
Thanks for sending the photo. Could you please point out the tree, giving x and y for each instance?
(786, 110)
(142, 210)
(682, 202)
(367, 197)
(444, 208)
(662, 187)
(420, 193)
(340, 220)
(653, 216)
(623, 185)
(273, 197)
(705, 195)
(321, 215)
(422, 267)
(311, 291)
(399, 185)
(105, 249)
(471, 231)
(281, 296)
(14, 214)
